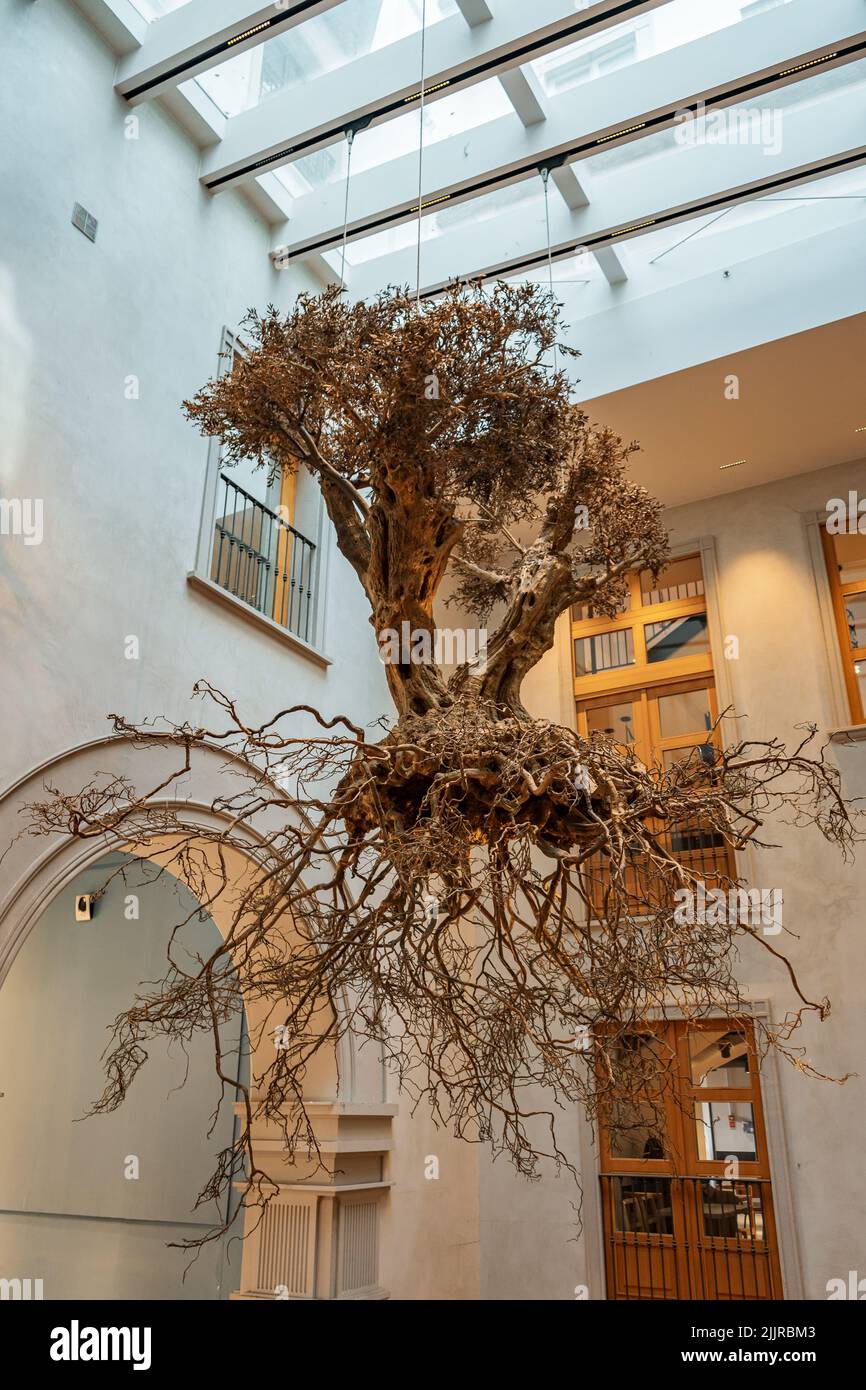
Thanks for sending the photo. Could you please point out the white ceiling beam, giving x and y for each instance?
(588, 116)
(475, 11)
(319, 268)
(270, 200)
(525, 94)
(386, 83)
(197, 112)
(326, 274)
(194, 37)
(669, 188)
(611, 265)
(569, 186)
(119, 23)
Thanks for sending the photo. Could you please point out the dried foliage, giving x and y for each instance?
(485, 895)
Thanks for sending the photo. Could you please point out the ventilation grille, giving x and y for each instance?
(359, 1246)
(284, 1249)
(84, 221)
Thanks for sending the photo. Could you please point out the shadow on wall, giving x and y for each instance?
(88, 1207)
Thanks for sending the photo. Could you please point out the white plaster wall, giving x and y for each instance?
(769, 600)
(122, 480)
(432, 1242)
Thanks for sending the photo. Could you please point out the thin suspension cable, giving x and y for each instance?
(545, 177)
(350, 140)
(809, 198)
(718, 217)
(421, 151)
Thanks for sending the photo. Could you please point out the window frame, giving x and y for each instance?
(231, 344)
(849, 655)
(678, 1098)
(642, 673)
(649, 743)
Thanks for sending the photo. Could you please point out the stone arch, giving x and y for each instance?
(350, 1111)
(35, 870)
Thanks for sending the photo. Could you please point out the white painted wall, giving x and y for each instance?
(783, 678)
(122, 480)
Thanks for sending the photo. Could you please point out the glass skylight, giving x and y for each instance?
(509, 222)
(153, 9)
(794, 213)
(669, 26)
(711, 242)
(760, 121)
(319, 45)
(527, 194)
(452, 114)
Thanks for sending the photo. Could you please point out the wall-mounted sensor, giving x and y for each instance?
(84, 907)
(84, 221)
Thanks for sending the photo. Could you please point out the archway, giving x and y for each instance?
(320, 1238)
(89, 1208)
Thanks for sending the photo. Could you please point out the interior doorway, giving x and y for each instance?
(91, 1206)
(692, 1218)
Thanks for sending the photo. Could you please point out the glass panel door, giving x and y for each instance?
(686, 1192)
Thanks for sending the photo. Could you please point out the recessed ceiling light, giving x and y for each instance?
(861, 429)
(736, 464)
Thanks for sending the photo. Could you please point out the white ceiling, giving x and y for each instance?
(800, 402)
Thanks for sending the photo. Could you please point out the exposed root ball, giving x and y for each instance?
(505, 778)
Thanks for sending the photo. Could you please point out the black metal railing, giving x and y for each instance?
(262, 560)
(688, 1238)
(703, 852)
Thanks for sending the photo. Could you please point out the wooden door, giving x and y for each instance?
(692, 1217)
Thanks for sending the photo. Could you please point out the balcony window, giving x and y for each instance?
(256, 542)
(261, 559)
(644, 679)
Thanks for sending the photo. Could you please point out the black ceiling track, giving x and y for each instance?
(652, 222)
(265, 28)
(564, 33)
(634, 131)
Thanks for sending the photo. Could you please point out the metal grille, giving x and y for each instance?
(359, 1245)
(284, 1254)
(263, 561)
(688, 1238)
(702, 851)
(606, 652)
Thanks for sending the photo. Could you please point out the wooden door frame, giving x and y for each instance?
(786, 1226)
(838, 593)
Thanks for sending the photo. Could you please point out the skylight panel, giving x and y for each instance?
(788, 216)
(456, 113)
(319, 45)
(526, 194)
(154, 9)
(760, 121)
(669, 26)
